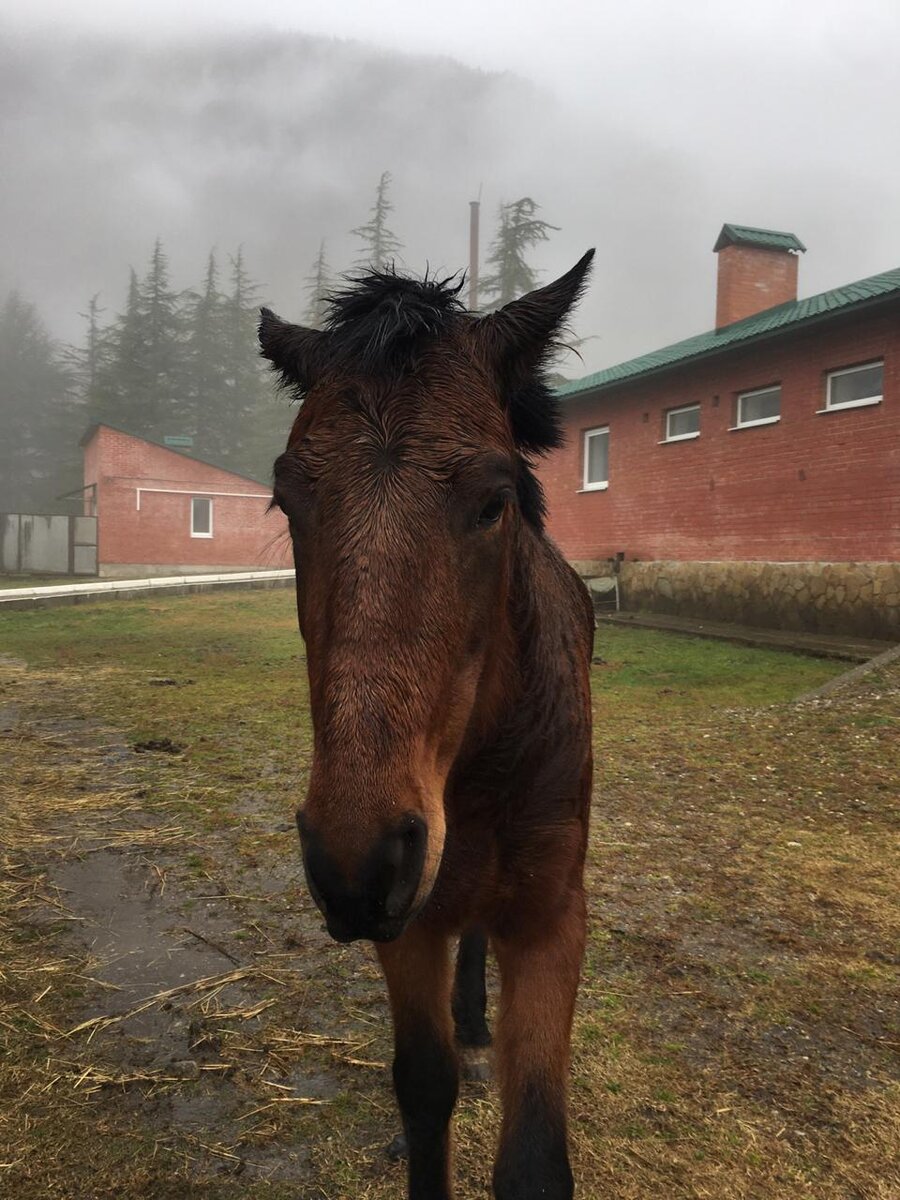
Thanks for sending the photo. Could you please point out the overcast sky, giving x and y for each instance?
(650, 124)
(570, 44)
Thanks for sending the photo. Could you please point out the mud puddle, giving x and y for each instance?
(146, 942)
(139, 946)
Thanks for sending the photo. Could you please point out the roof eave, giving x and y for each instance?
(717, 352)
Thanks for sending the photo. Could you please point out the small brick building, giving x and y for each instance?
(162, 513)
(750, 473)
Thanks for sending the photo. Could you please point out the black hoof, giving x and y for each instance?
(397, 1149)
(475, 1064)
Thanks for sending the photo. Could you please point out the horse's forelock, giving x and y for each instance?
(377, 323)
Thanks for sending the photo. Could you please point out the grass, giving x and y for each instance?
(736, 1033)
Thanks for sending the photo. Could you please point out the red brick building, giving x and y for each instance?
(752, 472)
(160, 512)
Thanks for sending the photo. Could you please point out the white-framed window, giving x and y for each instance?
(854, 387)
(682, 423)
(201, 517)
(596, 459)
(762, 407)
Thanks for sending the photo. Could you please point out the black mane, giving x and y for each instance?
(382, 318)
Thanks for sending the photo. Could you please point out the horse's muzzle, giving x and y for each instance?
(378, 901)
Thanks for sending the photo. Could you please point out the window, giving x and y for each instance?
(683, 423)
(596, 459)
(762, 407)
(201, 517)
(855, 386)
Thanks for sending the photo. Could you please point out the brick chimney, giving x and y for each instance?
(757, 270)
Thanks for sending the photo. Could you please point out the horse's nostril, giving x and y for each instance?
(374, 899)
(404, 859)
(319, 875)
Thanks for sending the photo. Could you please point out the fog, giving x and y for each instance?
(639, 129)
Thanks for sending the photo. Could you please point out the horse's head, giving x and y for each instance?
(406, 483)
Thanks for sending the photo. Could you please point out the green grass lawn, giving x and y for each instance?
(736, 1033)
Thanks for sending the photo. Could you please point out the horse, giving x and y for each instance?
(448, 650)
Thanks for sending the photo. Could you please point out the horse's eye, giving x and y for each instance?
(492, 511)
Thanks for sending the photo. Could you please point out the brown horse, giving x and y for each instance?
(448, 647)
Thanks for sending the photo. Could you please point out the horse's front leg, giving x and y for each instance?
(426, 1080)
(538, 982)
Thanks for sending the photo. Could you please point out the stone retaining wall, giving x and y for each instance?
(862, 599)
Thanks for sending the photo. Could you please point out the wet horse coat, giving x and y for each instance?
(448, 647)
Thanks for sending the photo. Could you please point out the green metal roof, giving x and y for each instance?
(766, 239)
(772, 321)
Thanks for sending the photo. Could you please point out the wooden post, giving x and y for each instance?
(474, 208)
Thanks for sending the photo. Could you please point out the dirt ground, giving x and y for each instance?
(175, 1023)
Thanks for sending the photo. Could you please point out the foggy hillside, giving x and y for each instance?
(273, 143)
(278, 141)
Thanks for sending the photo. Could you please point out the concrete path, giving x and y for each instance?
(820, 645)
(129, 589)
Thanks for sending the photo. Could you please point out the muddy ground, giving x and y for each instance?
(175, 1022)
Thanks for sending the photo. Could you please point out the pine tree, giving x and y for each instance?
(141, 383)
(141, 380)
(318, 286)
(228, 427)
(89, 364)
(164, 400)
(87, 361)
(382, 246)
(42, 421)
(252, 424)
(121, 392)
(206, 350)
(518, 230)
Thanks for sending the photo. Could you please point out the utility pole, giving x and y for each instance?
(474, 208)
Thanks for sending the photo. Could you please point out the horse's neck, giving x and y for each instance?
(549, 606)
(549, 627)
(538, 668)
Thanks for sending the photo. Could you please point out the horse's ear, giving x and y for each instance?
(297, 353)
(516, 342)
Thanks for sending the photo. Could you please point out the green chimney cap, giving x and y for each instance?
(763, 239)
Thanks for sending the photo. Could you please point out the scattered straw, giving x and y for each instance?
(279, 1100)
(194, 988)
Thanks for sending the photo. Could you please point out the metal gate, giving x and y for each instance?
(31, 543)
